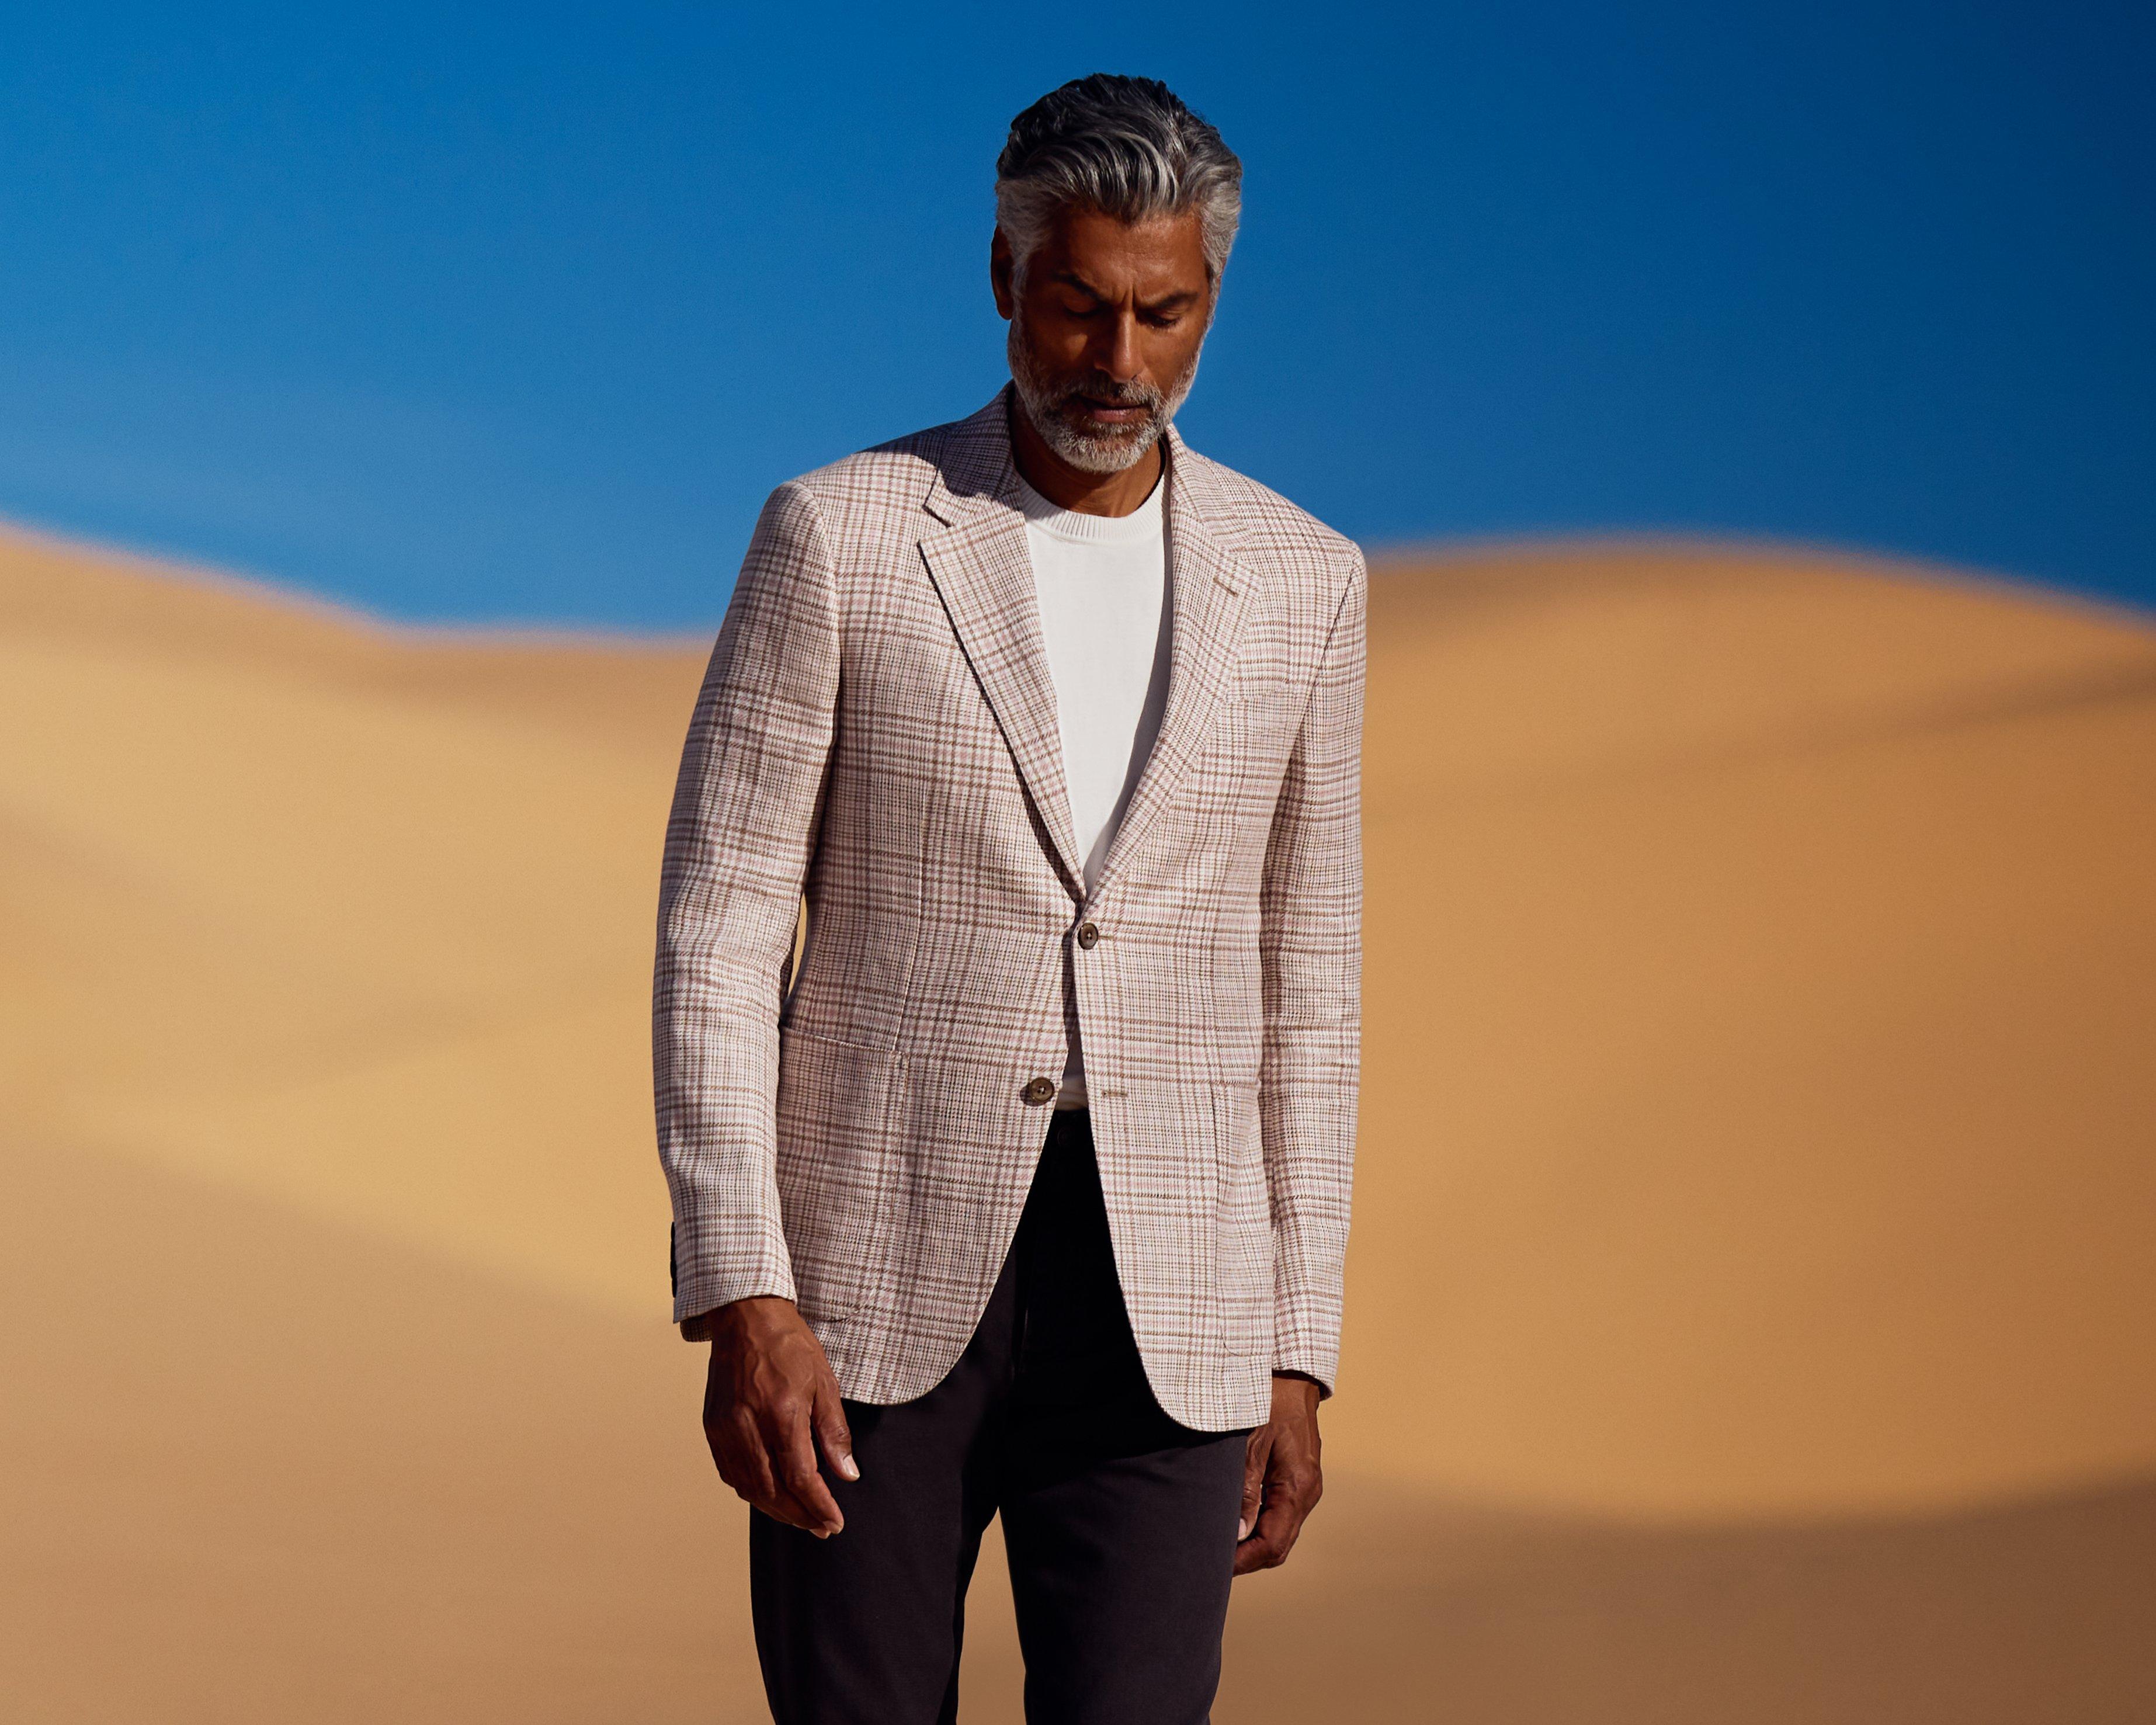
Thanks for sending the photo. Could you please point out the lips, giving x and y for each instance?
(1109, 413)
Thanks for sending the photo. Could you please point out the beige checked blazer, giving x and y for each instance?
(877, 729)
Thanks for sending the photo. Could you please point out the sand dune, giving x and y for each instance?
(1753, 1301)
(261, 1467)
(1761, 1111)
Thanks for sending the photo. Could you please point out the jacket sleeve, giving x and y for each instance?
(748, 804)
(1312, 946)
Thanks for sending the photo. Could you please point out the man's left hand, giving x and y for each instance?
(1281, 1479)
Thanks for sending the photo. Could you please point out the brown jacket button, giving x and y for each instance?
(1088, 936)
(1040, 1089)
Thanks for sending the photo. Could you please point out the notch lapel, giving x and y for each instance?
(984, 571)
(1209, 593)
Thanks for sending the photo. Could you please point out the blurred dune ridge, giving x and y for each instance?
(1752, 1299)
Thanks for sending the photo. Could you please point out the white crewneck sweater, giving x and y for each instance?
(1101, 582)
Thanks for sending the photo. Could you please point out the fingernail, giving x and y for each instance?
(1242, 1531)
(848, 1469)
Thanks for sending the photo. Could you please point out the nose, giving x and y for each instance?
(1120, 358)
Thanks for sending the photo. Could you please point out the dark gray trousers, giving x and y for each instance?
(1119, 1523)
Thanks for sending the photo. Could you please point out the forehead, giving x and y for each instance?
(1148, 260)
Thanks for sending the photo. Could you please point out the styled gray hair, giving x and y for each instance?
(1126, 147)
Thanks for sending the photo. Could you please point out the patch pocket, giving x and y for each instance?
(834, 1169)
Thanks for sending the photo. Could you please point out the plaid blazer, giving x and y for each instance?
(877, 729)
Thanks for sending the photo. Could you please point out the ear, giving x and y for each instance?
(1000, 266)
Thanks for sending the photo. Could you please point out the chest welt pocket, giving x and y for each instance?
(1260, 720)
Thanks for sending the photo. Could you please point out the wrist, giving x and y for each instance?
(751, 1311)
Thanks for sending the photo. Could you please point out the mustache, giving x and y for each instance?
(1137, 393)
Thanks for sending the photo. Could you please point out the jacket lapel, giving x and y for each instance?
(981, 566)
(1209, 592)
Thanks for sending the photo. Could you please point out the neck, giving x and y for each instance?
(1073, 488)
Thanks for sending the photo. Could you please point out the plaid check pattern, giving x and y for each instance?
(876, 730)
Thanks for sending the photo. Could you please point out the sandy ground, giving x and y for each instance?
(1753, 1304)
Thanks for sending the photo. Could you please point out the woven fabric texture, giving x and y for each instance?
(876, 730)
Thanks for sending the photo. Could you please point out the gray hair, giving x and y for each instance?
(1125, 146)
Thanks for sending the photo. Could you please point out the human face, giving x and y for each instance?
(1106, 332)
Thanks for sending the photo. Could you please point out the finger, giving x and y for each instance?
(793, 1458)
(768, 1493)
(783, 1509)
(834, 1437)
(1255, 1458)
(738, 1453)
(1260, 1550)
(742, 1462)
(1289, 1497)
(747, 1465)
(1269, 1542)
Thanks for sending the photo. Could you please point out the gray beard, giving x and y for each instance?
(1089, 452)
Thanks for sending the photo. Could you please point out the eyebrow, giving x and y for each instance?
(1071, 278)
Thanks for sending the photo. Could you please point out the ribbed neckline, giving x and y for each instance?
(1143, 522)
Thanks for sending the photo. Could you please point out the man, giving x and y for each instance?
(1027, 1195)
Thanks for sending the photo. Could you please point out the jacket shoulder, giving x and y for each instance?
(1274, 528)
(875, 481)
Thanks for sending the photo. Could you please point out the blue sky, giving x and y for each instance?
(469, 313)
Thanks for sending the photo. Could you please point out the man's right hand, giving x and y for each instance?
(771, 1403)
